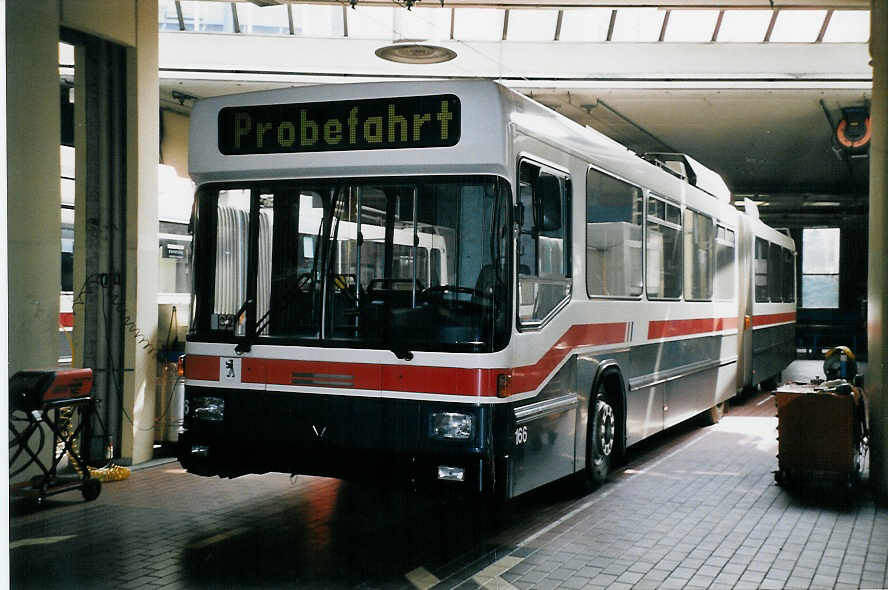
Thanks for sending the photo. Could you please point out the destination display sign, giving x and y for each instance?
(367, 124)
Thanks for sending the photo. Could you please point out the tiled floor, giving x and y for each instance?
(695, 508)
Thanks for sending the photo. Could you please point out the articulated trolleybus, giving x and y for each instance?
(449, 282)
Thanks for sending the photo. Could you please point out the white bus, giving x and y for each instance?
(448, 282)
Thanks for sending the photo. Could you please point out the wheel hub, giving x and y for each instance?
(605, 428)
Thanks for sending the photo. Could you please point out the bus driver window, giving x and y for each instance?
(543, 243)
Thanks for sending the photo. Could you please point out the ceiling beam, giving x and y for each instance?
(678, 4)
(527, 64)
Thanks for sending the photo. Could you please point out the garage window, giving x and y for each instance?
(820, 268)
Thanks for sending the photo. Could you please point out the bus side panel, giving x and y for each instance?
(685, 372)
(545, 431)
(685, 398)
(773, 348)
(645, 412)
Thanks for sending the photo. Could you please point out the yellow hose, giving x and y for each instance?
(109, 472)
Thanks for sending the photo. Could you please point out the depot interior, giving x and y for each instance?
(777, 96)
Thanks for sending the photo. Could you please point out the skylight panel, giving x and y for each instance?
(585, 24)
(317, 20)
(690, 26)
(848, 26)
(422, 23)
(744, 26)
(265, 20)
(478, 24)
(168, 18)
(370, 22)
(638, 25)
(797, 26)
(532, 25)
(207, 17)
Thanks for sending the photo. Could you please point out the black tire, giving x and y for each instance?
(713, 414)
(601, 441)
(91, 489)
(771, 383)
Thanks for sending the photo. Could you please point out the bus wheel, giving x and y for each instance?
(601, 442)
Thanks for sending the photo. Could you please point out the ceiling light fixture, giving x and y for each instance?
(411, 51)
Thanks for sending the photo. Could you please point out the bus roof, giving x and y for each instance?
(337, 121)
(486, 110)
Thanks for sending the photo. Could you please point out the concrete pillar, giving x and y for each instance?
(33, 123)
(143, 145)
(877, 322)
(4, 284)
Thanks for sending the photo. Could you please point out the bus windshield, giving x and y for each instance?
(403, 264)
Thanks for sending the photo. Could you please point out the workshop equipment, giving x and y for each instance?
(822, 431)
(60, 401)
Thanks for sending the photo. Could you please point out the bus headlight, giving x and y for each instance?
(451, 425)
(208, 409)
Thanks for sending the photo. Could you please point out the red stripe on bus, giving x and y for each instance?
(530, 377)
(66, 319)
(774, 318)
(203, 368)
(672, 328)
(444, 380)
(406, 378)
(420, 379)
(319, 373)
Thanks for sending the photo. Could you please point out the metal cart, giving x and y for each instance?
(821, 433)
(60, 401)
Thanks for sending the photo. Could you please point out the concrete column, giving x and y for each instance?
(4, 276)
(877, 322)
(34, 226)
(143, 144)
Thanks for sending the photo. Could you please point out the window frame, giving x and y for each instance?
(838, 274)
(712, 261)
(775, 273)
(671, 225)
(792, 258)
(756, 274)
(733, 244)
(567, 222)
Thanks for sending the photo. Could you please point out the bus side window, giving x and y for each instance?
(527, 254)
(613, 236)
(663, 244)
(788, 276)
(775, 272)
(435, 262)
(761, 271)
(544, 235)
(724, 260)
(699, 251)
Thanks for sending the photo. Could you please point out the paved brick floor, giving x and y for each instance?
(695, 508)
